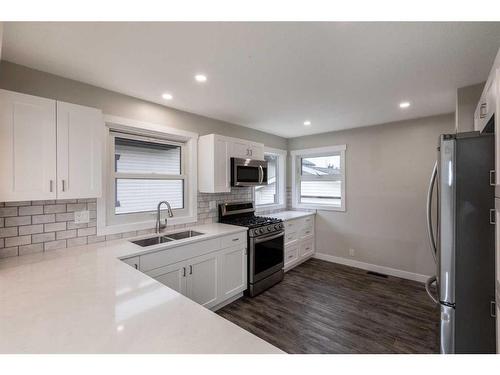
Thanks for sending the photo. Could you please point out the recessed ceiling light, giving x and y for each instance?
(404, 104)
(167, 96)
(307, 123)
(200, 78)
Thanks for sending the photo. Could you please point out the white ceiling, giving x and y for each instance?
(269, 76)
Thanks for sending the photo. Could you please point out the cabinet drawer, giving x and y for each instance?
(308, 221)
(306, 233)
(234, 240)
(291, 254)
(292, 225)
(290, 237)
(306, 248)
(172, 255)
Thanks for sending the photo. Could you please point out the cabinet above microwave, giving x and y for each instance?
(214, 160)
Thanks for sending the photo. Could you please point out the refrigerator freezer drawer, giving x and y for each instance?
(447, 336)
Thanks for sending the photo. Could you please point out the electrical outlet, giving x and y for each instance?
(82, 217)
(352, 252)
(212, 205)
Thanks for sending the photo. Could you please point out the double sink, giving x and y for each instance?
(158, 239)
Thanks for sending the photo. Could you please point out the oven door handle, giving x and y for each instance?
(268, 237)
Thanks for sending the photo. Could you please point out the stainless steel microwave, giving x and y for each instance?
(248, 172)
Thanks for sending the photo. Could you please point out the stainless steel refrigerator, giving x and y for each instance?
(461, 228)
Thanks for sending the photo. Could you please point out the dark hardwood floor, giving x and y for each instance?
(322, 307)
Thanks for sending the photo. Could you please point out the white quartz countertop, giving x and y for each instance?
(289, 215)
(85, 300)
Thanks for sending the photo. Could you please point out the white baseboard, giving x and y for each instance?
(372, 267)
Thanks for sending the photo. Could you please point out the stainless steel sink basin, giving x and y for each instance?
(182, 235)
(156, 240)
(152, 241)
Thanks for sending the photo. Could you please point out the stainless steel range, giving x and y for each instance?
(266, 244)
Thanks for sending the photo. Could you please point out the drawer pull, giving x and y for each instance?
(235, 239)
(483, 110)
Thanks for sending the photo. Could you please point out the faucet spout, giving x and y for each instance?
(159, 225)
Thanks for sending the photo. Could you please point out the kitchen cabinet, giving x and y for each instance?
(246, 150)
(27, 147)
(173, 276)
(79, 151)
(214, 160)
(48, 149)
(209, 272)
(299, 240)
(487, 104)
(233, 271)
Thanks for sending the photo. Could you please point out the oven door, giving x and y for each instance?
(248, 172)
(266, 255)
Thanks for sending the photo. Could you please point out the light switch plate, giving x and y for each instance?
(82, 217)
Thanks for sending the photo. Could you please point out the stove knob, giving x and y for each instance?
(269, 228)
(276, 226)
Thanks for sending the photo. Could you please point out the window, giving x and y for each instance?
(146, 164)
(272, 195)
(319, 176)
(145, 173)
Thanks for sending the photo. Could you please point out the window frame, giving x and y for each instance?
(296, 156)
(108, 222)
(281, 185)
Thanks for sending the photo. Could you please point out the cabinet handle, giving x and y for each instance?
(183, 271)
(136, 266)
(481, 108)
(51, 185)
(63, 185)
(493, 309)
(492, 216)
(190, 269)
(235, 239)
(492, 178)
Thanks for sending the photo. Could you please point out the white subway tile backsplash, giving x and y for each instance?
(47, 225)
(17, 221)
(54, 227)
(42, 219)
(17, 241)
(31, 210)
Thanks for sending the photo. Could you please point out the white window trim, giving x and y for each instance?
(281, 181)
(311, 152)
(114, 123)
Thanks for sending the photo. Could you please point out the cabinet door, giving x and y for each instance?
(222, 176)
(80, 132)
(234, 271)
(202, 280)
(27, 147)
(240, 150)
(173, 276)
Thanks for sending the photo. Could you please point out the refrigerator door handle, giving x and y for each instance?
(431, 280)
(430, 230)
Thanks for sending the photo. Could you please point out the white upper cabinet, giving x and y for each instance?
(247, 150)
(48, 149)
(27, 147)
(79, 151)
(214, 160)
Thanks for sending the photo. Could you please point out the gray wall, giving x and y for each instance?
(467, 99)
(387, 172)
(29, 81)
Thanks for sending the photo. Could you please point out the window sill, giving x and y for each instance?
(318, 207)
(268, 207)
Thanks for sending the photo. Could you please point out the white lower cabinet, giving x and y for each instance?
(299, 241)
(216, 275)
(173, 276)
(202, 280)
(233, 262)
